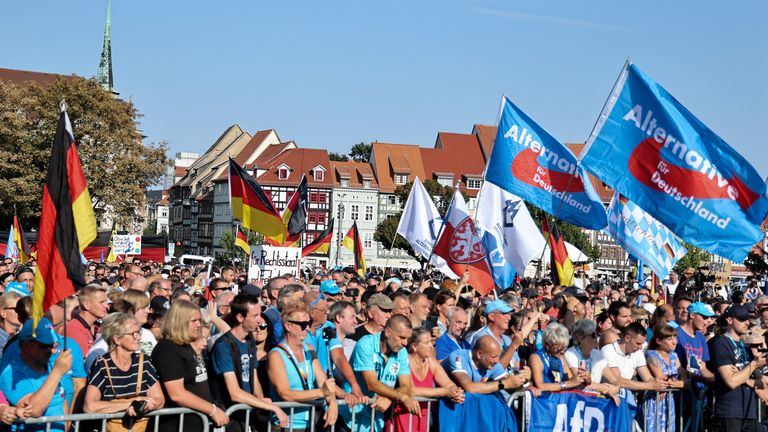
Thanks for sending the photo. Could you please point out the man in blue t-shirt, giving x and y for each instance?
(478, 371)
(379, 361)
(238, 382)
(29, 381)
(693, 353)
(451, 340)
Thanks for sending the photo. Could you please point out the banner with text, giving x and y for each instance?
(581, 412)
(267, 262)
(652, 150)
(126, 244)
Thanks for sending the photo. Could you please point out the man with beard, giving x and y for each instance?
(620, 315)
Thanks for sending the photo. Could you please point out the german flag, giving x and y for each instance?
(321, 244)
(242, 241)
(251, 204)
(562, 267)
(19, 240)
(67, 224)
(294, 217)
(353, 242)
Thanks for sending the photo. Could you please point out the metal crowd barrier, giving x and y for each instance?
(76, 419)
(291, 407)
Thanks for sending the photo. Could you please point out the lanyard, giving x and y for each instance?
(545, 358)
(303, 373)
(742, 349)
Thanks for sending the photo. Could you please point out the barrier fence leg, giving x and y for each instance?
(312, 420)
(429, 413)
(353, 419)
(373, 418)
(292, 413)
(181, 423)
(77, 426)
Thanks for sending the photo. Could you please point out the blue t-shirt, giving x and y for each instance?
(221, 358)
(78, 363)
(323, 348)
(18, 380)
(460, 361)
(692, 352)
(273, 315)
(445, 345)
(505, 341)
(367, 356)
(298, 375)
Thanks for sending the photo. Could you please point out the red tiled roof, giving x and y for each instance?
(487, 135)
(265, 159)
(356, 172)
(301, 161)
(381, 159)
(22, 76)
(251, 147)
(180, 171)
(457, 154)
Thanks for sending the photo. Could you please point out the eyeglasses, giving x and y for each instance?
(263, 326)
(135, 335)
(302, 324)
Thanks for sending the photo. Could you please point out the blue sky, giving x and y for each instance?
(333, 73)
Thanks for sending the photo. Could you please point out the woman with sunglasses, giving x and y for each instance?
(549, 370)
(296, 373)
(124, 374)
(585, 355)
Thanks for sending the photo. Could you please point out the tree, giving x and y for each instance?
(117, 165)
(337, 157)
(361, 152)
(232, 253)
(756, 263)
(693, 258)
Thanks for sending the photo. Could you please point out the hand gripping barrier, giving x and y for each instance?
(76, 419)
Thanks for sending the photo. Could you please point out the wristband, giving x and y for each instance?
(500, 385)
(562, 385)
(214, 410)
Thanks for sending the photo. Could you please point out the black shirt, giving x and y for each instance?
(739, 402)
(174, 362)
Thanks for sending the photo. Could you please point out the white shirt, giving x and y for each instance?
(596, 359)
(671, 287)
(627, 364)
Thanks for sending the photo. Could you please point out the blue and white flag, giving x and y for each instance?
(510, 236)
(652, 150)
(581, 412)
(11, 251)
(532, 164)
(643, 236)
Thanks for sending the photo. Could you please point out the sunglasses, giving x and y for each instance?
(263, 326)
(302, 324)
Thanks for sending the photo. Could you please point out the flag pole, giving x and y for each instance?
(442, 227)
(386, 262)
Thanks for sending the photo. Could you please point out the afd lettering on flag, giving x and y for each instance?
(577, 412)
(643, 236)
(652, 150)
(532, 164)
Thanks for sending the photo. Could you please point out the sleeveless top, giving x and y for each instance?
(296, 379)
(553, 369)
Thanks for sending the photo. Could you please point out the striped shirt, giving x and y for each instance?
(123, 382)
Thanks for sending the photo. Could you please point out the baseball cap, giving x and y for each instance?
(577, 292)
(737, 311)
(702, 309)
(329, 287)
(381, 301)
(251, 289)
(160, 305)
(497, 306)
(44, 332)
(395, 280)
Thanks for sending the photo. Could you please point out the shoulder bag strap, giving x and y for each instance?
(109, 376)
(140, 376)
(296, 366)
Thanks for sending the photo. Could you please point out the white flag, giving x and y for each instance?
(509, 234)
(420, 224)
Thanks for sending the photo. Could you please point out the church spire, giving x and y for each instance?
(104, 75)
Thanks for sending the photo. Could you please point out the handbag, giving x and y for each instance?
(126, 423)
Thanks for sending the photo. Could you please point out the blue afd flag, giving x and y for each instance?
(577, 412)
(652, 150)
(532, 164)
(643, 236)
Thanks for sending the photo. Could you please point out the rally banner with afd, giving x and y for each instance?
(581, 412)
(532, 164)
(651, 149)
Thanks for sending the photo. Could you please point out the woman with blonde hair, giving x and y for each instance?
(182, 372)
(9, 319)
(124, 374)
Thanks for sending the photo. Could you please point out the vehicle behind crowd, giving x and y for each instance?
(176, 346)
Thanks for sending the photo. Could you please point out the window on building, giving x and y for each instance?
(368, 240)
(344, 182)
(366, 184)
(391, 199)
(313, 197)
(319, 175)
(401, 179)
(471, 203)
(355, 211)
(474, 183)
(369, 213)
(321, 217)
(322, 197)
(282, 173)
(445, 181)
(312, 217)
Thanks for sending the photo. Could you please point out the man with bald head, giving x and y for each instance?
(478, 370)
(139, 284)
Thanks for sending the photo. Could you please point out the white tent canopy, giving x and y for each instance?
(576, 255)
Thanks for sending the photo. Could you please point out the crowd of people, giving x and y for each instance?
(144, 336)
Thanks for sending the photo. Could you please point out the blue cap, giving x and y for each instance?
(497, 306)
(44, 332)
(395, 280)
(329, 287)
(702, 309)
(673, 324)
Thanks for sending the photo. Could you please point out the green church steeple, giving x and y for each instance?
(104, 75)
